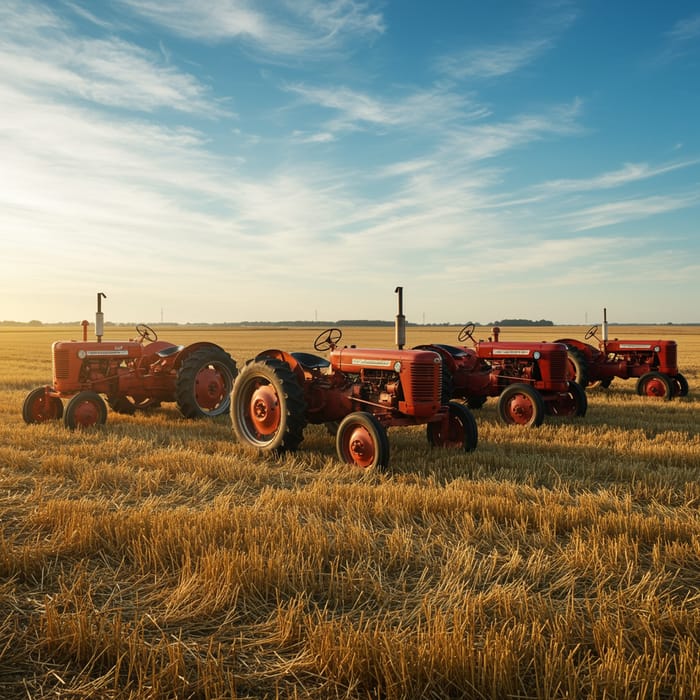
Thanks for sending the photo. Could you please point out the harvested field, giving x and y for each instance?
(154, 557)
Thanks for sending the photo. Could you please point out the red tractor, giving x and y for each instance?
(132, 374)
(653, 362)
(529, 379)
(359, 393)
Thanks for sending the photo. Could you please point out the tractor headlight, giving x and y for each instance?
(81, 354)
(397, 366)
(657, 348)
(536, 354)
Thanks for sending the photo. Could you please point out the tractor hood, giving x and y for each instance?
(353, 360)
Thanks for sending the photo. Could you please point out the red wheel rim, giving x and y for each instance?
(655, 387)
(360, 447)
(86, 414)
(209, 388)
(43, 409)
(264, 414)
(520, 409)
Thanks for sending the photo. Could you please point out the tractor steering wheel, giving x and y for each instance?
(466, 332)
(328, 339)
(590, 333)
(146, 333)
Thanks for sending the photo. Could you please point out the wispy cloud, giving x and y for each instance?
(626, 210)
(629, 173)
(492, 61)
(497, 60)
(40, 54)
(282, 27)
(428, 108)
(682, 39)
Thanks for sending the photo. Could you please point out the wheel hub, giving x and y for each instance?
(86, 414)
(521, 409)
(209, 388)
(265, 409)
(361, 447)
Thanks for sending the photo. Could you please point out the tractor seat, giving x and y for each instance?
(166, 352)
(309, 361)
(452, 350)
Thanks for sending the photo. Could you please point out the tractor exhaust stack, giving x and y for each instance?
(99, 317)
(605, 325)
(400, 324)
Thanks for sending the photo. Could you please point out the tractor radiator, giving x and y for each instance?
(61, 364)
(426, 383)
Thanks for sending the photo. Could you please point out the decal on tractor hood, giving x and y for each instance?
(102, 353)
(371, 363)
(511, 352)
(634, 346)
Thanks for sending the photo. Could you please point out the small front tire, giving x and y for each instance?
(521, 404)
(459, 431)
(85, 410)
(362, 441)
(656, 385)
(39, 407)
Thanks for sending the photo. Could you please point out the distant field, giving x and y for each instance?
(154, 557)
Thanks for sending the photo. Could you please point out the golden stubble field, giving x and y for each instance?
(156, 558)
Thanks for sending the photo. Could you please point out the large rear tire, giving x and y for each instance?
(268, 407)
(361, 440)
(577, 369)
(656, 385)
(204, 383)
(39, 408)
(521, 404)
(85, 410)
(460, 431)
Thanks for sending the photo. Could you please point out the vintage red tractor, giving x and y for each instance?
(653, 362)
(359, 392)
(528, 378)
(132, 374)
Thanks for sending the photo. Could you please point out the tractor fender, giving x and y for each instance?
(189, 349)
(274, 354)
(588, 351)
(448, 361)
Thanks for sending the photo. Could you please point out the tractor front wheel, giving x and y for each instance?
(39, 407)
(680, 385)
(204, 383)
(268, 407)
(573, 402)
(362, 441)
(521, 404)
(459, 431)
(655, 384)
(85, 410)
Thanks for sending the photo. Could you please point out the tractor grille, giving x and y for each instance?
(61, 362)
(558, 366)
(425, 382)
(671, 355)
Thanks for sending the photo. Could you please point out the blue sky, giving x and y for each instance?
(237, 160)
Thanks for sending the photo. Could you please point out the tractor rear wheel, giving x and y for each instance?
(38, 407)
(521, 404)
(655, 384)
(460, 431)
(362, 441)
(204, 382)
(573, 402)
(577, 369)
(681, 385)
(268, 407)
(85, 410)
